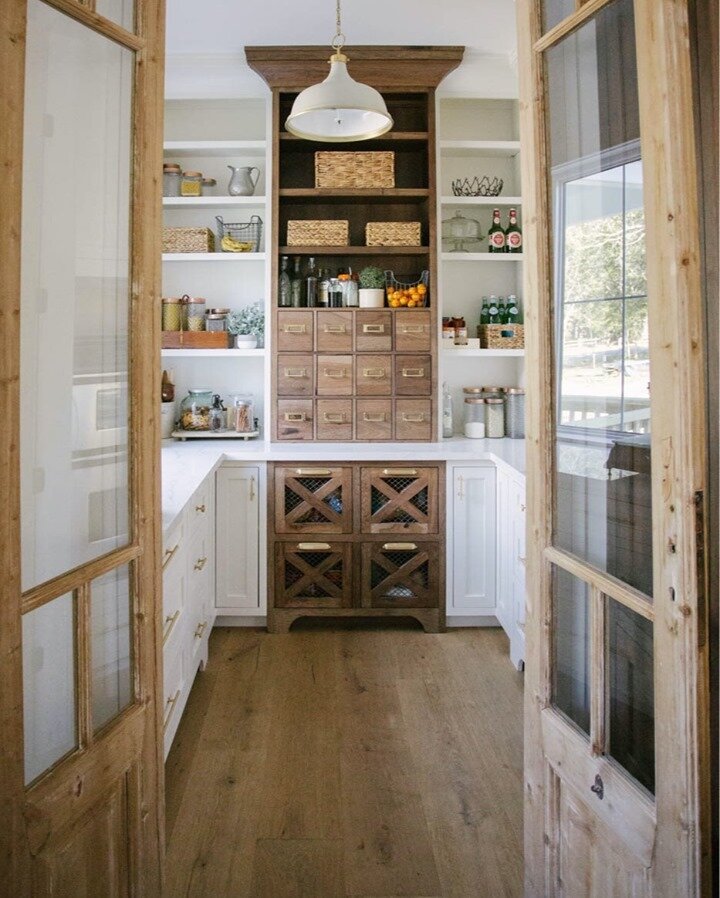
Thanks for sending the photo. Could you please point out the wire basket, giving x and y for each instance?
(240, 237)
(404, 293)
(477, 186)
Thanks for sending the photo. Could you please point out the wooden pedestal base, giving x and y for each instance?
(280, 620)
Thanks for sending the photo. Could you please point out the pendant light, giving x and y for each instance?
(339, 109)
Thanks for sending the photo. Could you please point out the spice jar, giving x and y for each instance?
(448, 332)
(474, 417)
(494, 418)
(173, 309)
(195, 313)
(208, 186)
(216, 319)
(217, 414)
(191, 183)
(172, 178)
(515, 413)
(195, 409)
(241, 415)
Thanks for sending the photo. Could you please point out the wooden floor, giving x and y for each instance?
(330, 763)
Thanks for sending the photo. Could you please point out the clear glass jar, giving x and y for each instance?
(195, 409)
(515, 413)
(474, 426)
(241, 413)
(195, 313)
(493, 392)
(172, 179)
(208, 186)
(494, 418)
(173, 313)
(216, 319)
(351, 291)
(192, 183)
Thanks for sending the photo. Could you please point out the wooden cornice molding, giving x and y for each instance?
(384, 68)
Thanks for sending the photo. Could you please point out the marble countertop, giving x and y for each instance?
(186, 464)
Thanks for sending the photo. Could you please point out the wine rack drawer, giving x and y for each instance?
(313, 574)
(400, 574)
(313, 499)
(399, 500)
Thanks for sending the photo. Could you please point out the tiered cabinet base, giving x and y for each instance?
(356, 540)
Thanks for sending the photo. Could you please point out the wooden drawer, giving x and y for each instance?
(334, 419)
(413, 375)
(413, 419)
(295, 330)
(412, 330)
(399, 499)
(373, 375)
(313, 499)
(313, 575)
(334, 375)
(373, 419)
(373, 331)
(400, 575)
(295, 376)
(295, 419)
(334, 331)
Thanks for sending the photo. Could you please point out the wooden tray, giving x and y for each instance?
(195, 340)
(213, 435)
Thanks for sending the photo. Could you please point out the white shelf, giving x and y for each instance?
(480, 147)
(481, 200)
(482, 353)
(482, 257)
(213, 257)
(210, 202)
(227, 148)
(213, 353)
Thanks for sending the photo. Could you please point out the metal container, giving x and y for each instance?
(494, 418)
(515, 413)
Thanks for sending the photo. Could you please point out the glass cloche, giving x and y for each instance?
(461, 232)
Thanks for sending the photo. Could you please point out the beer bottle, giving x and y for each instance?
(496, 235)
(513, 235)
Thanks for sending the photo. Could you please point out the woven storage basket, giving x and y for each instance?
(327, 232)
(392, 233)
(502, 336)
(366, 169)
(188, 240)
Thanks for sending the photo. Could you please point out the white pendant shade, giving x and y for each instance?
(339, 110)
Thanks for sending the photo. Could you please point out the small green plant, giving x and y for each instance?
(372, 278)
(249, 320)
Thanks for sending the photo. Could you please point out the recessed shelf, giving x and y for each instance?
(480, 147)
(213, 257)
(210, 202)
(481, 200)
(354, 195)
(212, 353)
(482, 353)
(482, 257)
(227, 148)
(354, 250)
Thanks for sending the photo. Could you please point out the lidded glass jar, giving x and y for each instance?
(173, 312)
(241, 413)
(195, 409)
(172, 178)
(474, 426)
(515, 413)
(192, 183)
(494, 418)
(493, 392)
(195, 313)
(216, 319)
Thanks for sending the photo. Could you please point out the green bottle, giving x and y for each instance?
(485, 311)
(502, 311)
(496, 235)
(493, 310)
(513, 310)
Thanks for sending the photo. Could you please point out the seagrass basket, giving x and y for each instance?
(188, 240)
(392, 233)
(365, 169)
(325, 232)
(502, 336)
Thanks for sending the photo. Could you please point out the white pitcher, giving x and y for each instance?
(241, 182)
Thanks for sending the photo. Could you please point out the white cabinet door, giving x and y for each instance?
(517, 631)
(504, 551)
(238, 538)
(473, 541)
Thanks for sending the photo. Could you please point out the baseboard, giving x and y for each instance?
(472, 620)
(240, 620)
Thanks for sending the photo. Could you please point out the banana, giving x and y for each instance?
(230, 245)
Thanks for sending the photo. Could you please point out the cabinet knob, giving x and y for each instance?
(200, 563)
(200, 509)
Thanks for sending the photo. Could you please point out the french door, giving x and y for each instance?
(616, 675)
(80, 152)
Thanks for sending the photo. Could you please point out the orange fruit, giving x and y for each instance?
(421, 289)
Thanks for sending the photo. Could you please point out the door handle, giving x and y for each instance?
(413, 419)
(169, 553)
(335, 373)
(373, 372)
(313, 472)
(313, 547)
(295, 328)
(333, 418)
(200, 563)
(373, 328)
(373, 419)
(294, 416)
(200, 509)
(461, 487)
(399, 472)
(335, 329)
(296, 372)
(200, 629)
(412, 329)
(170, 620)
(169, 708)
(399, 547)
(598, 787)
(413, 372)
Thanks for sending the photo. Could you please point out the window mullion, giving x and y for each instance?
(598, 666)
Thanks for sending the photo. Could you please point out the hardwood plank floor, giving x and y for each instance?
(337, 762)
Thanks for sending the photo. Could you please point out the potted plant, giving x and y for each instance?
(372, 288)
(248, 326)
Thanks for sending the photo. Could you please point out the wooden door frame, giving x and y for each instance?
(677, 402)
(145, 548)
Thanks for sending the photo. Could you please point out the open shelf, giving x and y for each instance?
(182, 148)
(211, 202)
(213, 257)
(482, 257)
(480, 147)
(481, 200)
(354, 195)
(482, 353)
(354, 250)
(212, 353)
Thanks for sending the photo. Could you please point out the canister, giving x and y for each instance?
(494, 418)
(216, 319)
(172, 313)
(195, 313)
(191, 184)
(172, 178)
(515, 413)
(241, 413)
(474, 426)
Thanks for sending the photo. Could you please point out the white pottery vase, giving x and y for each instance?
(372, 298)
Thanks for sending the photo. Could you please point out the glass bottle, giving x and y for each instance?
(311, 284)
(217, 414)
(296, 285)
(485, 311)
(502, 310)
(284, 283)
(447, 412)
(513, 310)
(493, 310)
(496, 235)
(335, 294)
(323, 290)
(352, 292)
(513, 234)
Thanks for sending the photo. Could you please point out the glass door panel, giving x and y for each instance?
(554, 11)
(75, 298)
(111, 649)
(571, 648)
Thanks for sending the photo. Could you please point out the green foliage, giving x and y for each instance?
(372, 278)
(249, 320)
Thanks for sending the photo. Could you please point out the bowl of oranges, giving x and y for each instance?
(407, 295)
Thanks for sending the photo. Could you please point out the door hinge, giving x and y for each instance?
(700, 569)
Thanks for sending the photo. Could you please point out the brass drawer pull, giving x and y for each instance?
(313, 472)
(399, 547)
(412, 329)
(170, 621)
(335, 329)
(295, 329)
(373, 372)
(413, 372)
(169, 708)
(200, 509)
(334, 417)
(335, 373)
(373, 328)
(296, 372)
(200, 629)
(252, 489)
(169, 554)
(373, 419)
(413, 419)
(200, 563)
(294, 416)
(399, 472)
(313, 547)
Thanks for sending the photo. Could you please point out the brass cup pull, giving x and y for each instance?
(413, 372)
(313, 472)
(294, 416)
(200, 629)
(170, 621)
(169, 553)
(295, 329)
(335, 373)
(169, 708)
(334, 417)
(373, 328)
(373, 419)
(200, 509)
(313, 547)
(335, 329)
(400, 472)
(296, 372)
(399, 547)
(200, 563)
(412, 329)
(374, 372)
(413, 419)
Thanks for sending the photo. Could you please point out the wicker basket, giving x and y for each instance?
(501, 336)
(365, 169)
(327, 232)
(188, 240)
(392, 233)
